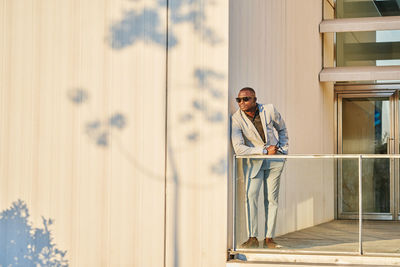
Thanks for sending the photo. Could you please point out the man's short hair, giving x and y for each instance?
(248, 89)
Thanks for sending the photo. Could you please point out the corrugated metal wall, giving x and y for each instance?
(197, 133)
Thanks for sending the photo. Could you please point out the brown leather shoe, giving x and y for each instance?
(252, 242)
(270, 243)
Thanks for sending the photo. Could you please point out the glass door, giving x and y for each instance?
(366, 125)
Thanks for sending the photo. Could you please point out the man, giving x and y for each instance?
(253, 134)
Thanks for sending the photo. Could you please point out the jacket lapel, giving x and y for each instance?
(262, 117)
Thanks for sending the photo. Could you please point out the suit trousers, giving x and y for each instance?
(269, 176)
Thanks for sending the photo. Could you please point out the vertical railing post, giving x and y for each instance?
(360, 248)
(234, 174)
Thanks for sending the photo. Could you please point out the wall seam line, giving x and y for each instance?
(166, 132)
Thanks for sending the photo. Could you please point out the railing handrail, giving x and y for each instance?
(360, 157)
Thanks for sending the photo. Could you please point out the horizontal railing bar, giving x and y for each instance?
(293, 251)
(313, 252)
(319, 156)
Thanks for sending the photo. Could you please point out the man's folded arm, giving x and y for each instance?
(238, 142)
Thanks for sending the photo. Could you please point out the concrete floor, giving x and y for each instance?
(342, 236)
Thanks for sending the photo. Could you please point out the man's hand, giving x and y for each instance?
(272, 150)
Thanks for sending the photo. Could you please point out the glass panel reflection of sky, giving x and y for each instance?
(388, 36)
(367, 8)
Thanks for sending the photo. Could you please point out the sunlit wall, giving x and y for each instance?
(113, 138)
(275, 48)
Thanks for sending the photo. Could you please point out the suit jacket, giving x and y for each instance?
(247, 141)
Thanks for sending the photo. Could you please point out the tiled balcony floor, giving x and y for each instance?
(342, 236)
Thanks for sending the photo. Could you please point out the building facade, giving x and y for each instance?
(115, 132)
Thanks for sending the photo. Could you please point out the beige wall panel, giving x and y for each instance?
(275, 47)
(83, 128)
(328, 38)
(197, 133)
(3, 104)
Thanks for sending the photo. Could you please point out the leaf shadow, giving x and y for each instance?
(21, 244)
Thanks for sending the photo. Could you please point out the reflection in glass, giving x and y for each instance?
(380, 48)
(365, 130)
(367, 8)
(376, 48)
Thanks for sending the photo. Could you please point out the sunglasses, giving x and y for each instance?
(245, 99)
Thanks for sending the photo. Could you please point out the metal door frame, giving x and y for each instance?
(363, 91)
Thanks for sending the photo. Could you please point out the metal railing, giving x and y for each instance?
(360, 157)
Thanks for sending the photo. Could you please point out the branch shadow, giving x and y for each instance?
(131, 29)
(100, 130)
(146, 25)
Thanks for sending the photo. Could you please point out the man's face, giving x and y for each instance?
(247, 105)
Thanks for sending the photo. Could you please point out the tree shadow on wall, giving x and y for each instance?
(146, 24)
(98, 130)
(23, 245)
(209, 113)
(206, 111)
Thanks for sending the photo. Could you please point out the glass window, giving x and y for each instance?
(365, 129)
(367, 8)
(378, 48)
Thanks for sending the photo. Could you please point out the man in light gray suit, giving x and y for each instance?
(253, 134)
